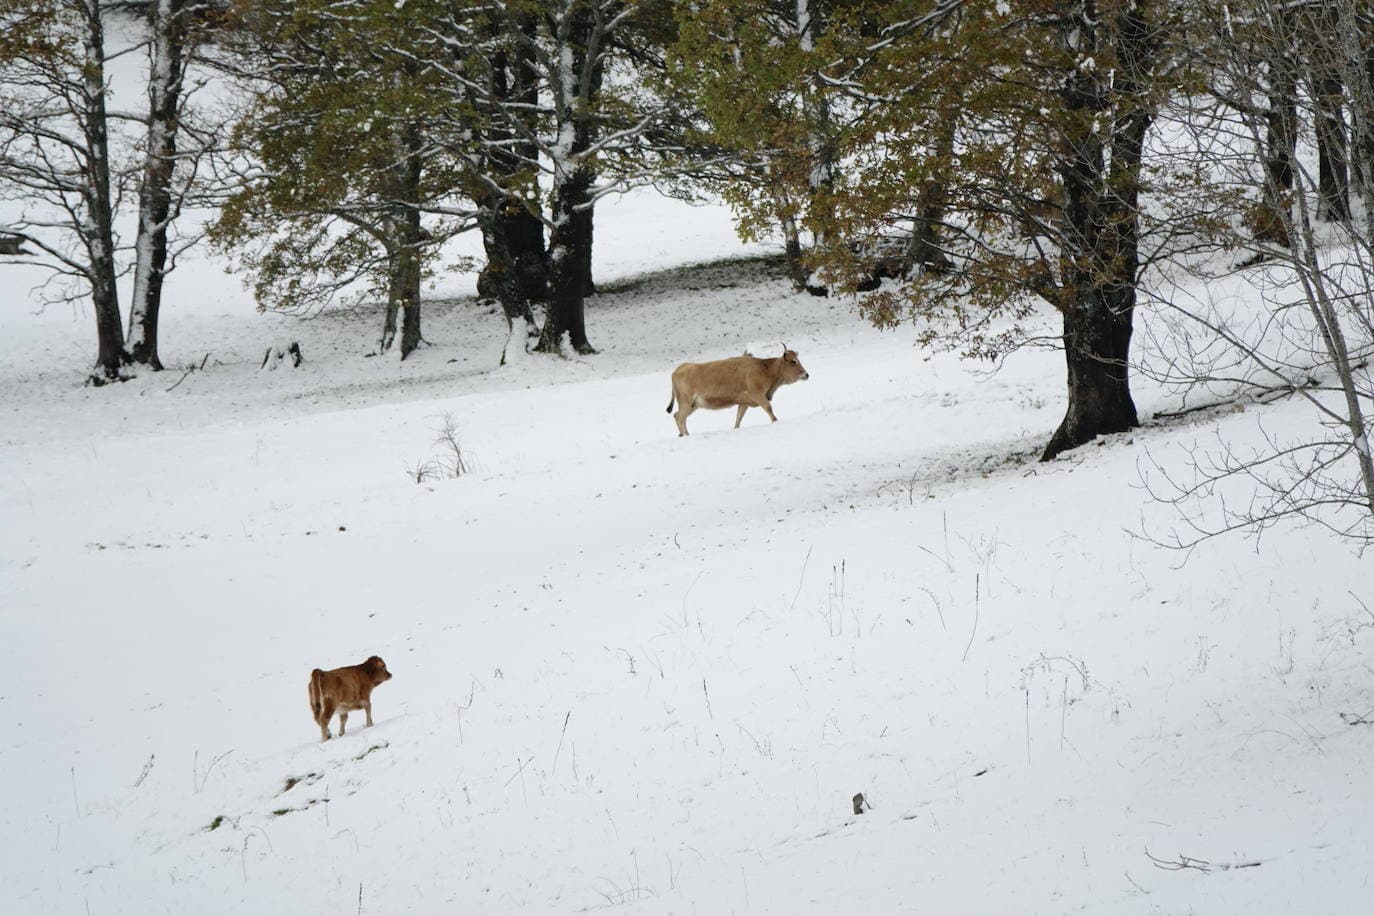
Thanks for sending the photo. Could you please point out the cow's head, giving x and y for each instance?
(792, 369)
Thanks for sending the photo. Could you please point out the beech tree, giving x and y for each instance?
(1009, 139)
(756, 70)
(341, 170)
(546, 135)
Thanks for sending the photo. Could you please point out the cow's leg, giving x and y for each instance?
(367, 708)
(326, 713)
(767, 406)
(739, 414)
(684, 410)
(343, 721)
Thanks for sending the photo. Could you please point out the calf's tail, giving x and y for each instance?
(672, 396)
(317, 693)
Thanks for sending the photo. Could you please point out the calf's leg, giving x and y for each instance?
(326, 713)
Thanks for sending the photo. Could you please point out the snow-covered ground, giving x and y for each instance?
(641, 673)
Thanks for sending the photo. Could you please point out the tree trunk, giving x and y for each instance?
(582, 226)
(502, 279)
(817, 116)
(1365, 116)
(1097, 342)
(1102, 227)
(1323, 53)
(155, 192)
(519, 233)
(574, 82)
(98, 234)
(410, 290)
(566, 312)
(393, 303)
(1333, 177)
(410, 250)
(792, 254)
(924, 248)
(525, 235)
(1280, 144)
(406, 247)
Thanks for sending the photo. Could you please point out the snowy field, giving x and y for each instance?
(645, 674)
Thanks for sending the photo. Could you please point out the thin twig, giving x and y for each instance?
(521, 770)
(684, 598)
(976, 589)
(802, 576)
(560, 742)
(1028, 754)
(189, 369)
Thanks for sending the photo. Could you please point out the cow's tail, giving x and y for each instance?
(317, 693)
(672, 396)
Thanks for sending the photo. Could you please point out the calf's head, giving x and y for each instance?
(376, 669)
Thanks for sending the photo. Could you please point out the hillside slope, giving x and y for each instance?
(646, 673)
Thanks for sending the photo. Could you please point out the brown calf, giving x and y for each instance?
(343, 689)
(741, 381)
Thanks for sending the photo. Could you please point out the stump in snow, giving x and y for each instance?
(277, 355)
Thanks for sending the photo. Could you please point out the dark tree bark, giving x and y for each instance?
(98, 234)
(405, 242)
(525, 237)
(1101, 220)
(584, 216)
(1333, 175)
(583, 220)
(1324, 53)
(1280, 150)
(169, 29)
(1365, 116)
(411, 238)
(792, 254)
(512, 236)
(1364, 112)
(925, 248)
(576, 79)
(502, 279)
(566, 312)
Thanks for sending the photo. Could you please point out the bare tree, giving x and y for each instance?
(55, 155)
(1314, 335)
(169, 167)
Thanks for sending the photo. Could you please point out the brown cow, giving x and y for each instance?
(741, 381)
(343, 689)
